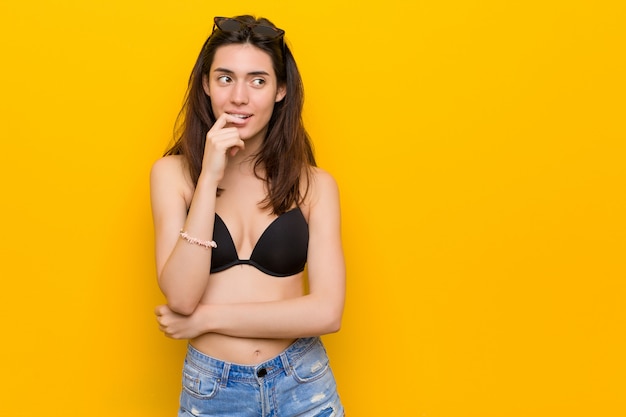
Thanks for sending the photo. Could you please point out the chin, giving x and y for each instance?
(247, 134)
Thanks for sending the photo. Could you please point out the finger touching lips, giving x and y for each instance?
(238, 118)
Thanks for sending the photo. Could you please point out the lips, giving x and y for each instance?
(240, 115)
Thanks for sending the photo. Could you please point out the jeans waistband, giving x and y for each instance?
(225, 371)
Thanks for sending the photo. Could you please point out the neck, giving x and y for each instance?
(243, 161)
(252, 146)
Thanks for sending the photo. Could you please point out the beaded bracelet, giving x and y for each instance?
(204, 243)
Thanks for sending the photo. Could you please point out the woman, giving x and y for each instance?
(239, 209)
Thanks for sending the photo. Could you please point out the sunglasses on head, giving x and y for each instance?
(229, 24)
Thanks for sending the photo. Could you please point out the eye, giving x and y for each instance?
(258, 82)
(224, 79)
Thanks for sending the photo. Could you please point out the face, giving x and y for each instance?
(242, 82)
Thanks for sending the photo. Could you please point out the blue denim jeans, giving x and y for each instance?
(297, 382)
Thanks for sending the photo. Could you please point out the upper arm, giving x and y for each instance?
(326, 264)
(169, 207)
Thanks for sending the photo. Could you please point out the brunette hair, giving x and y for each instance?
(286, 153)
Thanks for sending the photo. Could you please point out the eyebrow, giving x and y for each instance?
(227, 71)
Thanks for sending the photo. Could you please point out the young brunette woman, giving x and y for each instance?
(240, 211)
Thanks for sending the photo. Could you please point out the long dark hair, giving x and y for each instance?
(286, 154)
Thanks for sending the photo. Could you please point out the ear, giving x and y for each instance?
(281, 92)
(205, 85)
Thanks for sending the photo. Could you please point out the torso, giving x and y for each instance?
(240, 284)
(239, 209)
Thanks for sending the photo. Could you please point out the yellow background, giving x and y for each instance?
(479, 147)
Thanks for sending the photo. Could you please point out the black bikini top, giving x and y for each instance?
(281, 251)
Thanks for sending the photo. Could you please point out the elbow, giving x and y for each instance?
(181, 306)
(184, 309)
(335, 325)
(328, 314)
(332, 322)
(181, 302)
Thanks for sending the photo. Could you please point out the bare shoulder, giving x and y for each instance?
(169, 175)
(319, 174)
(322, 193)
(169, 168)
(322, 182)
(170, 164)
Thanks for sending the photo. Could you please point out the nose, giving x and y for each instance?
(239, 94)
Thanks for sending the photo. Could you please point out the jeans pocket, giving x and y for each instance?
(199, 384)
(311, 366)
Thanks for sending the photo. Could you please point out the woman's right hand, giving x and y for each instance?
(221, 141)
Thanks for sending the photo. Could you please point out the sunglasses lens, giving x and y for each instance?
(229, 25)
(266, 31)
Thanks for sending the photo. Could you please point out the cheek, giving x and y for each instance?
(268, 102)
(217, 102)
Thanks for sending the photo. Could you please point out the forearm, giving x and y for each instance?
(304, 316)
(184, 275)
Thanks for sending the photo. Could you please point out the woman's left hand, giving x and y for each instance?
(177, 326)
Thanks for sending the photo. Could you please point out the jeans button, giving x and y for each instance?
(261, 372)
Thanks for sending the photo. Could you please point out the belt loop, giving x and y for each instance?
(285, 361)
(225, 372)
